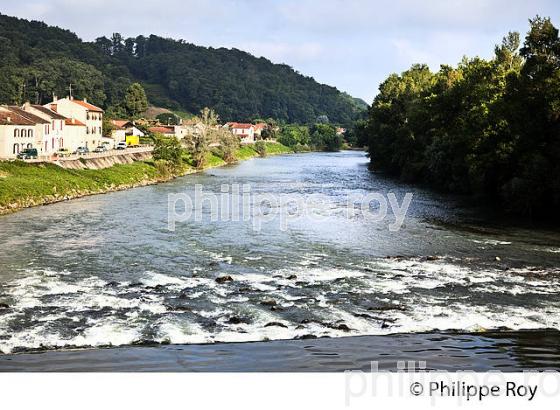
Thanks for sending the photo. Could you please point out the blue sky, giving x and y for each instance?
(352, 44)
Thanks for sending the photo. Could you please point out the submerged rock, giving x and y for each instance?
(269, 324)
(292, 277)
(269, 302)
(4, 306)
(224, 279)
(308, 336)
(344, 327)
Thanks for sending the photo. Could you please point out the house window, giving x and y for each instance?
(30, 133)
(87, 116)
(87, 130)
(16, 149)
(30, 145)
(23, 133)
(100, 130)
(61, 142)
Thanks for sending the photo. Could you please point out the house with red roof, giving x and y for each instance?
(19, 130)
(245, 131)
(52, 130)
(85, 113)
(125, 129)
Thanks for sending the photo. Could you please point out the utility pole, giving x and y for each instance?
(70, 87)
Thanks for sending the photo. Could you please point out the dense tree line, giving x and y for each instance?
(490, 128)
(39, 61)
(319, 137)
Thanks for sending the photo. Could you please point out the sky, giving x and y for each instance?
(353, 44)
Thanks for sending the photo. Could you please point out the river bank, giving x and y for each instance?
(503, 351)
(25, 185)
(106, 270)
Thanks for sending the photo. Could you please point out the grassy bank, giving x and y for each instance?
(24, 185)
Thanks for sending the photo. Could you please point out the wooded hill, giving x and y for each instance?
(38, 61)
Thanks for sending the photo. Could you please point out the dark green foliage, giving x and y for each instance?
(135, 101)
(168, 149)
(38, 60)
(487, 128)
(325, 138)
(292, 135)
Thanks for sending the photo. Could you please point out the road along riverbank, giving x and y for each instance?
(25, 185)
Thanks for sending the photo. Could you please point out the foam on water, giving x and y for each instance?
(49, 309)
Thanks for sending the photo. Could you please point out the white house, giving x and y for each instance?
(18, 130)
(246, 132)
(85, 113)
(124, 128)
(53, 132)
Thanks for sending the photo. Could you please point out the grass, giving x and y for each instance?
(28, 184)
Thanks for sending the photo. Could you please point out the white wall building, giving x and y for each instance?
(246, 132)
(85, 113)
(53, 132)
(18, 130)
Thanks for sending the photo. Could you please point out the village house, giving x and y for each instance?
(53, 132)
(126, 131)
(74, 134)
(18, 130)
(84, 113)
(246, 132)
(165, 130)
(177, 131)
(259, 127)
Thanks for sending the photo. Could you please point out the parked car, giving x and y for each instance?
(82, 150)
(100, 148)
(28, 153)
(121, 145)
(63, 152)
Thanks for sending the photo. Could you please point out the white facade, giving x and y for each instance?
(53, 132)
(84, 112)
(246, 132)
(16, 132)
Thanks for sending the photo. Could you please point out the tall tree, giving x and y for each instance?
(135, 100)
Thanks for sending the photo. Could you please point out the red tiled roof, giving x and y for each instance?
(14, 119)
(87, 105)
(239, 125)
(51, 113)
(73, 121)
(260, 126)
(162, 130)
(27, 115)
(120, 123)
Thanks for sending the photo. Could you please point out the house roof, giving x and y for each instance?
(53, 114)
(121, 123)
(162, 130)
(7, 117)
(260, 126)
(75, 122)
(87, 105)
(240, 125)
(31, 119)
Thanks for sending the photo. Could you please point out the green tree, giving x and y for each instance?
(168, 149)
(135, 100)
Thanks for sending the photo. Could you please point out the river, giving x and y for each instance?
(106, 271)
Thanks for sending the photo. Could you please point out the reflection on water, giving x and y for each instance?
(105, 270)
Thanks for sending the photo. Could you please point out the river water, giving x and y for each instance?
(106, 270)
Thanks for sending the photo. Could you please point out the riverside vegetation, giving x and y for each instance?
(23, 184)
(488, 128)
